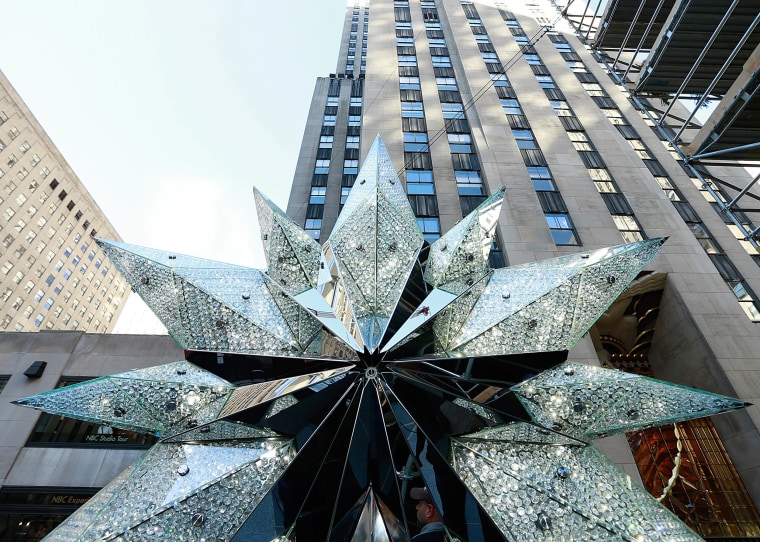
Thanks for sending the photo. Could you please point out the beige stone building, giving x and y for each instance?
(52, 273)
(470, 96)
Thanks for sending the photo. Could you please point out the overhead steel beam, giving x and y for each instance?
(699, 60)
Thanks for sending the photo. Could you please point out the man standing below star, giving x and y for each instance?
(427, 516)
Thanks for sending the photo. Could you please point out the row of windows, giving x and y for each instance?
(616, 202)
(30, 237)
(417, 161)
(351, 53)
(320, 175)
(555, 212)
(746, 297)
(464, 158)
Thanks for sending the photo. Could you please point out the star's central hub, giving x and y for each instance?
(371, 373)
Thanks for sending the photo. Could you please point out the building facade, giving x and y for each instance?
(52, 273)
(472, 96)
(50, 465)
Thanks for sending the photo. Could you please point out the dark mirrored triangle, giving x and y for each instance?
(462, 514)
(415, 292)
(318, 512)
(302, 418)
(502, 371)
(243, 369)
(303, 498)
(356, 521)
(443, 388)
(370, 461)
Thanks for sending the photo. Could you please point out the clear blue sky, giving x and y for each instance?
(170, 111)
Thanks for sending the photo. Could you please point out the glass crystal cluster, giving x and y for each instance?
(317, 392)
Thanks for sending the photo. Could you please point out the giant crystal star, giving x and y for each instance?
(368, 365)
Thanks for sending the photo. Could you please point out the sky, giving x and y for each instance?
(171, 111)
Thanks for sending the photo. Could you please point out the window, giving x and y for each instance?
(344, 192)
(407, 60)
(419, 182)
(561, 228)
(5, 269)
(313, 226)
(460, 143)
(628, 227)
(452, 110)
(325, 142)
(317, 197)
(469, 183)
(412, 110)
(430, 228)
(350, 167)
(446, 83)
(409, 83)
(415, 141)
(322, 167)
(352, 142)
(511, 107)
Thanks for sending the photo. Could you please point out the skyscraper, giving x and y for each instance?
(473, 96)
(53, 275)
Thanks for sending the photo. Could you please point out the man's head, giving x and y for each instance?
(426, 510)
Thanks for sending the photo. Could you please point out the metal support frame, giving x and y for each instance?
(596, 14)
(699, 60)
(743, 96)
(751, 235)
(722, 70)
(630, 30)
(603, 31)
(644, 36)
(743, 191)
(657, 52)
